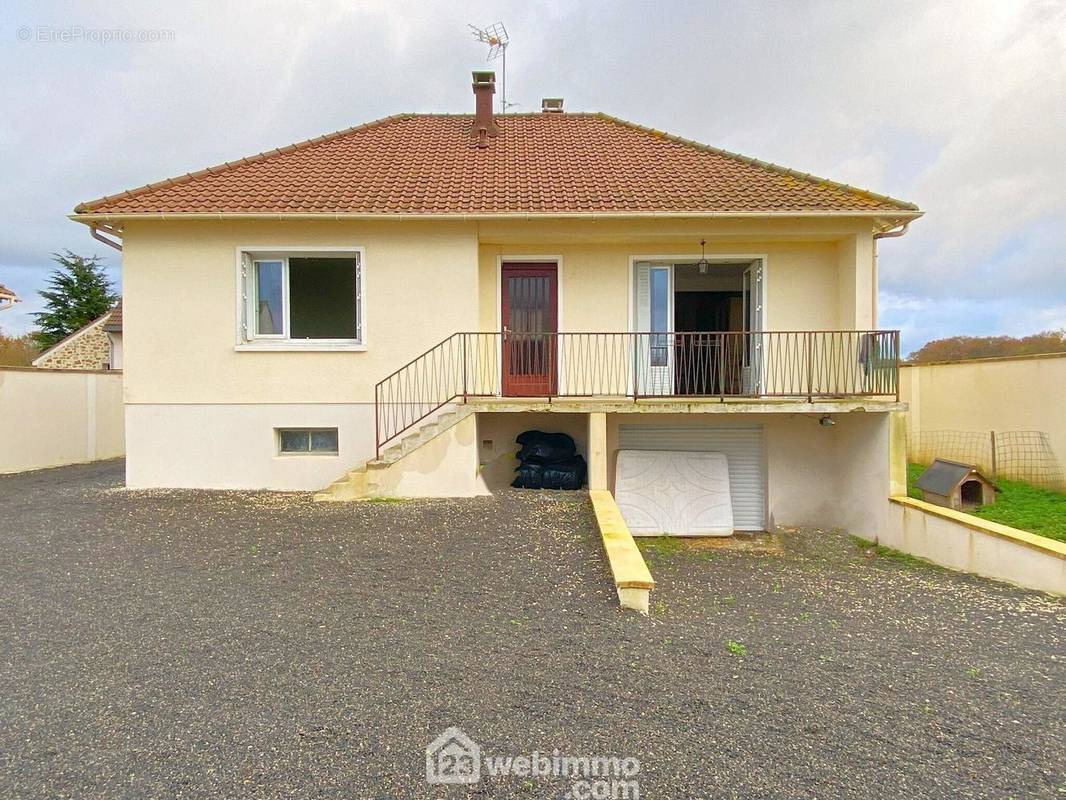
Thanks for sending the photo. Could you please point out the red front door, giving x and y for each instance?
(530, 317)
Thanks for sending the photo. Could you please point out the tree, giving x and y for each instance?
(961, 347)
(17, 351)
(78, 292)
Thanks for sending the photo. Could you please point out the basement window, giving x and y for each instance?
(307, 441)
(295, 300)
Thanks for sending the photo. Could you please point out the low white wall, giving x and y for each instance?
(53, 417)
(233, 446)
(962, 542)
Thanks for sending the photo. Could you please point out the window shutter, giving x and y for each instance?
(246, 288)
(643, 299)
(358, 298)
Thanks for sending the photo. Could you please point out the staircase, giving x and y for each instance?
(367, 480)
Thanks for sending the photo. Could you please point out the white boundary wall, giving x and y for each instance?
(53, 417)
(1002, 394)
(964, 542)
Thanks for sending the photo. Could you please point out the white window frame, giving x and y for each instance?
(249, 341)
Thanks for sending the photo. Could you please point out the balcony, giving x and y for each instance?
(803, 366)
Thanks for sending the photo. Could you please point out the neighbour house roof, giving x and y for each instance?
(104, 320)
(559, 163)
(114, 319)
(943, 476)
(7, 293)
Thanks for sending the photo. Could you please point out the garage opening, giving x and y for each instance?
(742, 446)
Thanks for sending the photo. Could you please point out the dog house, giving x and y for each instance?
(954, 485)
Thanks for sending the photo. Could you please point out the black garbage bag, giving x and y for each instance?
(529, 476)
(568, 474)
(546, 448)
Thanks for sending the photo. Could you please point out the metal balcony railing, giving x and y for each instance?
(804, 365)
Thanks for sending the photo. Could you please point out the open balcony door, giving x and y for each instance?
(653, 358)
(752, 374)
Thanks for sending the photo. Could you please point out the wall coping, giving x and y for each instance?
(47, 370)
(1050, 547)
(623, 556)
(1026, 357)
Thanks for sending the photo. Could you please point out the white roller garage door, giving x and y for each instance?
(743, 446)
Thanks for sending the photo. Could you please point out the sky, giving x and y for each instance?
(957, 106)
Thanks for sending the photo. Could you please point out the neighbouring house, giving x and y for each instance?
(382, 309)
(96, 345)
(7, 298)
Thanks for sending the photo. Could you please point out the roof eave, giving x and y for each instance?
(889, 217)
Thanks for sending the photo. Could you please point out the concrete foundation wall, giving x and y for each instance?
(53, 417)
(836, 476)
(233, 446)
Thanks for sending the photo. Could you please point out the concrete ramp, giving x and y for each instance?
(674, 493)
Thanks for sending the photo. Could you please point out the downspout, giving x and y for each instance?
(95, 233)
(890, 234)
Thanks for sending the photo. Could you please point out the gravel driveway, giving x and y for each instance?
(199, 644)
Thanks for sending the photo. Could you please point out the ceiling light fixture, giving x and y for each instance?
(703, 264)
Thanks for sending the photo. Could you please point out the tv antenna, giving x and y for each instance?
(495, 36)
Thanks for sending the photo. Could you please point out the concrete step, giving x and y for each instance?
(347, 488)
(362, 482)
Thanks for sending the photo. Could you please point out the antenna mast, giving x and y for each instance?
(495, 36)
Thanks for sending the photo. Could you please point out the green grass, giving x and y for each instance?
(905, 560)
(914, 471)
(736, 648)
(1020, 505)
(660, 545)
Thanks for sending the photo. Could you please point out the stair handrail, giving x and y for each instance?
(419, 395)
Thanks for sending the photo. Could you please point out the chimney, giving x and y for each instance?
(552, 105)
(484, 89)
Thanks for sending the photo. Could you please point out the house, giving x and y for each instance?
(96, 345)
(7, 298)
(382, 309)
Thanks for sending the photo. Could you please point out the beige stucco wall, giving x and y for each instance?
(810, 276)
(425, 280)
(52, 417)
(989, 394)
(419, 284)
(201, 413)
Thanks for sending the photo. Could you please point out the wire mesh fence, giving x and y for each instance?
(1014, 455)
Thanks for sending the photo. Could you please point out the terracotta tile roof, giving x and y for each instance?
(5, 292)
(114, 321)
(540, 163)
